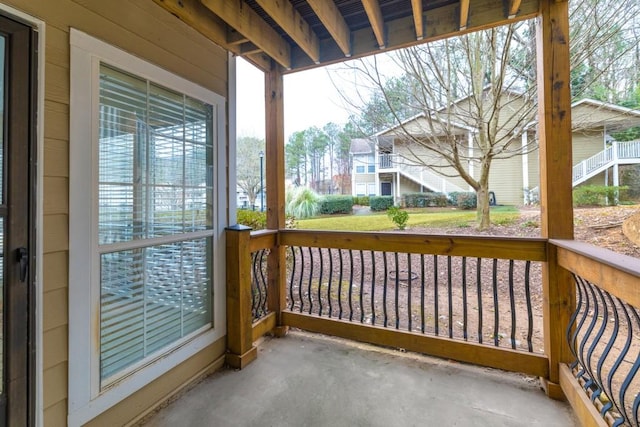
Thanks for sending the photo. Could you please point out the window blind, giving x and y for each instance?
(155, 173)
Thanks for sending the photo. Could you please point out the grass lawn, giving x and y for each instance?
(378, 221)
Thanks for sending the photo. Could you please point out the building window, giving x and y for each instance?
(361, 190)
(360, 169)
(145, 221)
(155, 218)
(371, 168)
(372, 189)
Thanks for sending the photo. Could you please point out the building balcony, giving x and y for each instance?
(555, 311)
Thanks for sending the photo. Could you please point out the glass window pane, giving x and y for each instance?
(150, 298)
(2, 91)
(155, 179)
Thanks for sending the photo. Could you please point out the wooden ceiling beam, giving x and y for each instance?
(334, 22)
(514, 6)
(372, 8)
(283, 13)
(438, 23)
(247, 22)
(464, 14)
(416, 7)
(198, 17)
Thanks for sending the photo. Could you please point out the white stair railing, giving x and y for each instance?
(416, 172)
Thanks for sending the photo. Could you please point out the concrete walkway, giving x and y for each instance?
(311, 380)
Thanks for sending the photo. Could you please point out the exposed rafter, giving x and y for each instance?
(334, 22)
(247, 22)
(416, 7)
(194, 14)
(283, 13)
(464, 14)
(372, 8)
(514, 5)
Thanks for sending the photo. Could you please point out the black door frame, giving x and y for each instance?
(20, 209)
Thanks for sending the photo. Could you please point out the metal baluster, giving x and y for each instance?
(320, 282)
(410, 279)
(496, 316)
(384, 288)
(479, 287)
(311, 263)
(527, 293)
(464, 298)
(350, 284)
(330, 282)
(361, 287)
(450, 296)
(373, 288)
(512, 305)
(302, 265)
(340, 286)
(422, 293)
(293, 275)
(397, 293)
(435, 295)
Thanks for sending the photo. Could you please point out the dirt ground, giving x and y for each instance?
(600, 226)
(477, 311)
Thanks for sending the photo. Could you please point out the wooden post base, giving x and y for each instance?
(239, 361)
(552, 390)
(280, 331)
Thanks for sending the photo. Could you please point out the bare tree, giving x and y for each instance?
(463, 88)
(483, 84)
(248, 166)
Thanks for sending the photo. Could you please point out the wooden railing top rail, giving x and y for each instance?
(263, 239)
(616, 273)
(530, 249)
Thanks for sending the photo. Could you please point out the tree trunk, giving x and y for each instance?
(483, 213)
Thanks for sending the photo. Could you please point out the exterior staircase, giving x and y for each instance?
(416, 173)
(619, 153)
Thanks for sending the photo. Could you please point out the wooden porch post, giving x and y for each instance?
(275, 190)
(240, 349)
(554, 108)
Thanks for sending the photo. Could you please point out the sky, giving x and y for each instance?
(310, 99)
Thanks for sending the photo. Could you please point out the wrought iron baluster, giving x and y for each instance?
(512, 305)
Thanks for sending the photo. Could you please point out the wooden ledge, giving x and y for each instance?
(241, 361)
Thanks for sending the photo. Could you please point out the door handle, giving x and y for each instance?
(23, 259)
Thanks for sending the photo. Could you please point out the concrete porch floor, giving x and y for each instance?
(312, 380)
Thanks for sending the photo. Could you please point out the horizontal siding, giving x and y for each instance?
(144, 29)
(585, 145)
(505, 180)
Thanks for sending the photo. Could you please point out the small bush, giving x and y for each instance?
(467, 200)
(302, 203)
(380, 203)
(336, 204)
(361, 200)
(597, 195)
(425, 200)
(255, 219)
(258, 220)
(398, 216)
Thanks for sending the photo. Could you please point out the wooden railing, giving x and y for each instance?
(603, 382)
(472, 299)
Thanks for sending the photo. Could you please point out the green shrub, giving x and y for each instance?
(302, 202)
(361, 200)
(466, 200)
(336, 204)
(425, 200)
(258, 220)
(398, 216)
(597, 195)
(380, 203)
(255, 219)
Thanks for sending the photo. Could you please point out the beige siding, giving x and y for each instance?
(586, 144)
(146, 30)
(505, 180)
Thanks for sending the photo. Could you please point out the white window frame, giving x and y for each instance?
(86, 400)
